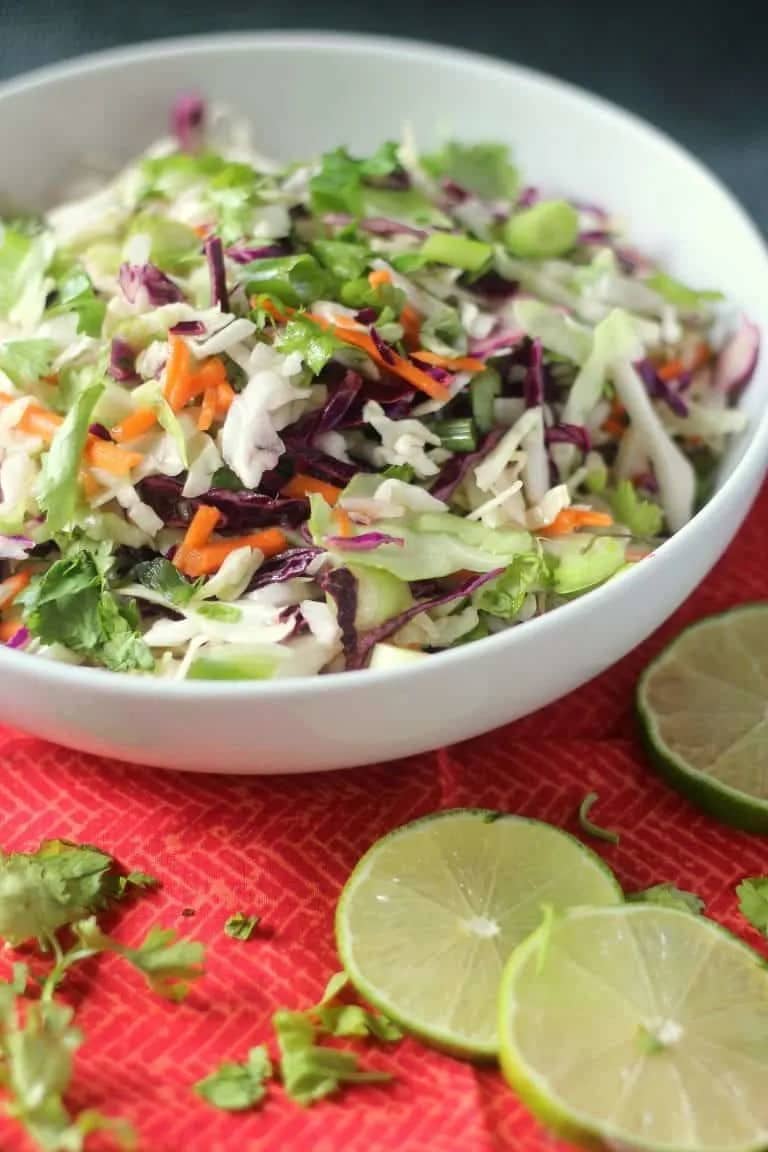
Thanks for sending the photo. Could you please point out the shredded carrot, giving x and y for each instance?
(89, 484)
(209, 558)
(398, 364)
(268, 306)
(379, 277)
(178, 366)
(208, 409)
(198, 533)
(614, 428)
(210, 374)
(110, 457)
(342, 522)
(225, 394)
(10, 588)
(300, 485)
(38, 421)
(453, 364)
(672, 369)
(411, 322)
(201, 230)
(569, 519)
(134, 425)
(8, 629)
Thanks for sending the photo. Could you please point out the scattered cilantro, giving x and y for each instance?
(25, 361)
(235, 1087)
(505, 596)
(310, 1072)
(314, 344)
(589, 826)
(680, 294)
(641, 517)
(359, 293)
(224, 477)
(159, 575)
(402, 472)
(343, 259)
(484, 169)
(62, 885)
(668, 896)
(71, 604)
(753, 901)
(58, 488)
(75, 293)
(241, 927)
(338, 186)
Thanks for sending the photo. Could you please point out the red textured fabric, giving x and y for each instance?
(283, 847)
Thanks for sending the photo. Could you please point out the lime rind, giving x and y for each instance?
(531, 1084)
(455, 1042)
(715, 797)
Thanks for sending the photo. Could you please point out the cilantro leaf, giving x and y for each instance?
(58, 487)
(75, 293)
(241, 927)
(337, 187)
(58, 884)
(25, 361)
(382, 163)
(135, 880)
(753, 901)
(310, 1072)
(668, 896)
(314, 344)
(641, 517)
(37, 1046)
(71, 604)
(343, 259)
(504, 596)
(335, 1019)
(589, 826)
(168, 963)
(159, 575)
(484, 169)
(235, 1087)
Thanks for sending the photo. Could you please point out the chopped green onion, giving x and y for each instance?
(546, 230)
(483, 390)
(458, 251)
(456, 435)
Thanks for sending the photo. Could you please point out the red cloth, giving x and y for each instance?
(283, 847)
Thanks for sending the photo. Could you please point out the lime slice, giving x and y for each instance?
(431, 914)
(703, 707)
(644, 1026)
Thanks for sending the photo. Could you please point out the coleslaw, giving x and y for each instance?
(262, 420)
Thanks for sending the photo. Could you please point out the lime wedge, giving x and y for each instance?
(431, 914)
(641, 1025)
(703, 706)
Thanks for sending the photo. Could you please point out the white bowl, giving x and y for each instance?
(310, 92)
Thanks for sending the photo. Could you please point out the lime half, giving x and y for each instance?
(432, 912)
(703, 706)
(641, 1025)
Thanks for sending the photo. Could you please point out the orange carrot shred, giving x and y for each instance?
(379, 277)
(411, 322)
(10, 588)
(300, 486)
(134, 425)
(208, 409)
(198, 533)
(453, 364)
(209, 558)
(177, 367)
(110, 457)
(8, 629)
(342, 522)
(569, 519)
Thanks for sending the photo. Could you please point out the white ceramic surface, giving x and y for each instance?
(310, 92)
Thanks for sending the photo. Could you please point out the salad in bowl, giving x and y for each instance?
(262, 421)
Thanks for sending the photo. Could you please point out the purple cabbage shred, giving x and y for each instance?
(287, 566)
(188, 328)
(122, 361)
(160, 288)
(188, 121)
(20, 637)
(214, 254)
(366, 542)
(576, 434)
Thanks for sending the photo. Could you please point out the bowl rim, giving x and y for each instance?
(669, 552)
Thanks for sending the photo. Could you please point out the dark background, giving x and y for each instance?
(698, 68)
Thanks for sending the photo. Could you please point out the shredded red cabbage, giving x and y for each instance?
(241, 511)
(504, 339)
(214, 254)
(366, 542)
(659, 389)
(387, 354)
(736, 363)
(100, 431)
(122, 361)
(528, 197)
(19, 638)
(188, 121)
(288, 565)
(576, 434)
(243, 254)
(533, 386)
(188, 328)
(454, 470)
(367, 640)
(341, 585)
(160, 288)
(384, 226)
(15, 547)
(492, 286)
